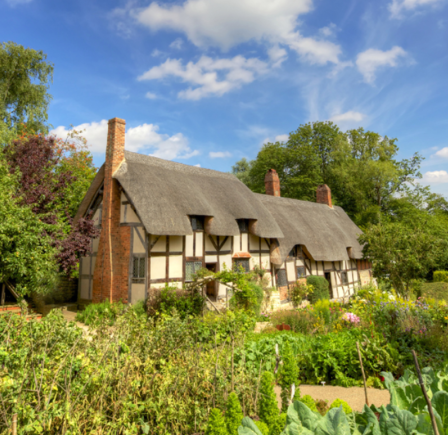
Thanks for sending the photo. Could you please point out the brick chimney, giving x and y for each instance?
(272, 183)
(112, 268)
(323, 195)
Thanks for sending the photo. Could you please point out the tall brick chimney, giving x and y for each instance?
(272, 183)
(323, 195)
(110, 274)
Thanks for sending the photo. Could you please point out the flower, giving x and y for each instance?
(351, 318)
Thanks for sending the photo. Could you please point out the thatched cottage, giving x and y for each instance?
(161, 221)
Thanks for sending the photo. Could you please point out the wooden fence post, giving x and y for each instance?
(363, 374)
(14, 424)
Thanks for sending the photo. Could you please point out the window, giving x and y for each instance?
(243, 225)
(191, 267)
(138, 270)
(241, 262)
(281, 278)
(197, 223)
(344, 278)
(292, 254)
(300, 271)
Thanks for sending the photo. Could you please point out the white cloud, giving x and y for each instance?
(156, 53)
(348, 116)
(282, 138)
(397, 7)
(442, 153)
(144, 138)
(370, 60)
(177, 43)
(227, 23)
(209, 76)
(435, 177)
(151, 95)
(329, 30)
(277, 55)
(219, 154)
(198, 165)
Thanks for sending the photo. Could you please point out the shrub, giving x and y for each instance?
(309, 401)
(279, 425)
(289, 373)
(299, 291)
(267, 404)
(262, 426)
(169, 298)
(321, 288)
(345, 406)
(234, 414)
(216, 424)
(259, 295)
(441, 276)
(95, 314)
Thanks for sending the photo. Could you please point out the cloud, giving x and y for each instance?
(208, 76)
(219, 154)
(150, 95)
(329, 30)
(282, 138)
(435, 177)
(397, 7)
(277, 55)
(144, 138)
(370, 60)
(442, 153)
(177, 43)
(348, 116)
(225, 24)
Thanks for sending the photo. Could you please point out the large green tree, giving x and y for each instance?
(25, 76)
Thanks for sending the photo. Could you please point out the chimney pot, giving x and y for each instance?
(272, 183)
(323, 195)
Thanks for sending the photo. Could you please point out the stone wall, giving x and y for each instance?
(64, 292)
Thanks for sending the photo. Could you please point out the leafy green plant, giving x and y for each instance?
(103, 312)
(288, 375)
(321, 288)
(262, 427)
(216, 423)
(440, 276)
(345, 406)
(299, 291)
(234, 414)
(279, 425)
(309, 402)
(267, 403)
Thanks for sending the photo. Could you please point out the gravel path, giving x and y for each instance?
(354, 396)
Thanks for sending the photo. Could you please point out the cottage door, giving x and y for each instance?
(211, 286)
(328, 278)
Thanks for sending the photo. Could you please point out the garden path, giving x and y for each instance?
(354, 396)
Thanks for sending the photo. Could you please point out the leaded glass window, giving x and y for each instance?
(138, 268)
(344, 278)
(292, 254)
(192, 267)
(300, 271)
(241, 262)
(197, 222)
(243, 225)
(281, 278)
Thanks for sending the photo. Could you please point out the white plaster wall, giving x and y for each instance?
(290, 271)
(160, 246)
(227, 245)
(264, 245)
(189, 245)
(158, 267)
(95, 244)
(211, 258)
(138, 293)
(245, 244)
(138, 247)
(208, 244)
(236, 244)
(85, 266)
(266, 261)
(131, 217)
(254, 261)
(93, 265)
(254, 242)
(85, 290)
(175, 267)
(199, 244)
(175, 244)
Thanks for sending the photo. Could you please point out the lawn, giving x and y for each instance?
(436, 290)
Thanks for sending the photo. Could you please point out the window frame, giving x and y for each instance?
(196, 267)
(235, 261)
(344, 278)
(278, 280)
(141, 259)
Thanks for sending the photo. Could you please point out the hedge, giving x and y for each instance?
(321, 288)
(441, 276)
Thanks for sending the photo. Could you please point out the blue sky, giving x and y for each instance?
(206, 82)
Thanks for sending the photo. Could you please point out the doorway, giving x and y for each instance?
(328, 278)
(211, 289)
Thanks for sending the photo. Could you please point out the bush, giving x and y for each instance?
(321, 288)
(216, 424)
(279, 425)
(299, 291)
(170, 299)
(234, 414)
(267, 404)
(95, 314)
(309, 401)
(262, 426)
(345, 406)
(289, 373)
(441, 276)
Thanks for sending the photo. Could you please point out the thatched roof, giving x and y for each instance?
(325, 232)
(165, 193)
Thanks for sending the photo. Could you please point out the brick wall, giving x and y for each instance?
(323, 195)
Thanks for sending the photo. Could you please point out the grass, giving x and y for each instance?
(436, 290)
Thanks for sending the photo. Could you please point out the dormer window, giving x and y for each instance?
(197, 223)
(243, 225)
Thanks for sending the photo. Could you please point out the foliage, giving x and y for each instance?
(171, 298)
(405, 250)
(24, 78)
(234, 414)
(267, 403)
(216, 423)
(27, 256)
(300, 291)
(103, 312)
(309, 402)
(321, 288)
(441, 276)
(345, 406)
(263, 427)
(279, 425)
(288, 375)
(437, 290)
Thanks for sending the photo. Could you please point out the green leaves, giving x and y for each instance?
(333, 423)
(248, 427)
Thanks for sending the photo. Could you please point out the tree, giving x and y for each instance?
(24, 80)
(267, 404)
(45, 169)
(216, 423)
(406, 249)
(241, 170)
(289, 373)
(26, 253)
